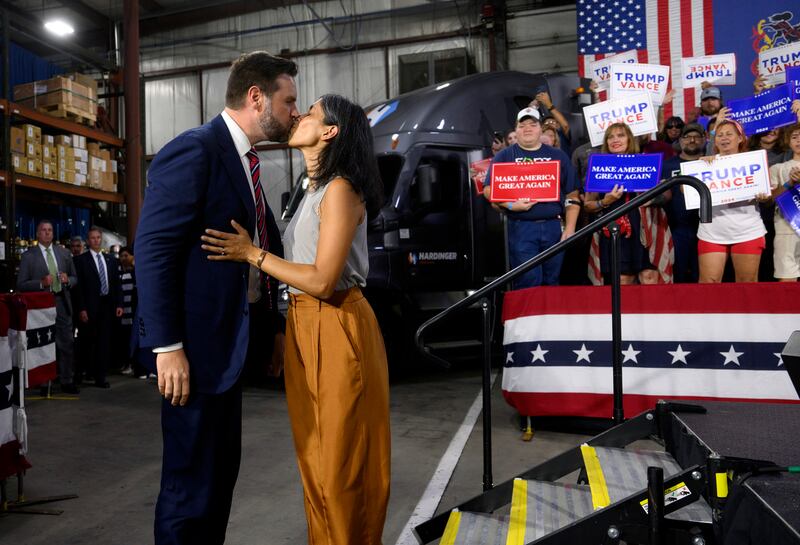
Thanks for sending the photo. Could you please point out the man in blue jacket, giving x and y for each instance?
(196, 315)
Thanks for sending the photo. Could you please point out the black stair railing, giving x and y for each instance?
(607, 220)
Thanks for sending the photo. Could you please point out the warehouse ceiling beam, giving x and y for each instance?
(87, 12)
(151, 6)
(164, 21)
(32, 29)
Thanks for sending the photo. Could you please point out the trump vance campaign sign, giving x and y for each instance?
(638, 172)
(537, 181)
(730, 178)
(600, 71)
(637, 78)
(636, 111)
(716, 69)
(773, 63)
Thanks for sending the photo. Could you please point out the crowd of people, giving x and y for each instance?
(745, 242)
(95, 299)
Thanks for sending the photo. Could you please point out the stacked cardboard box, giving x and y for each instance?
(102, 170)
(67, 158)
(62, 96)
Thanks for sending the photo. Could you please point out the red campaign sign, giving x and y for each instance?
(526, 181)
(477, 172)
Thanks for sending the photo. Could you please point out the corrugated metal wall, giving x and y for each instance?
(176, 103)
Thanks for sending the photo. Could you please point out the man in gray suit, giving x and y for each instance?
(47, 267)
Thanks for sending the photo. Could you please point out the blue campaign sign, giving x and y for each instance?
(769, 110)
(793, 79)
(638, 172)
(789, 204)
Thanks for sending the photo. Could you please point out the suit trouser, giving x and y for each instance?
(337, 389)
(202, 452)
(64, 340)
(97, 335)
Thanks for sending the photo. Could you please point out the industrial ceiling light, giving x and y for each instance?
(59, 28)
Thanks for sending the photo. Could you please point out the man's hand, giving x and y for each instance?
(84, 316)
(47, 281)
(544, 99)
(173, 376)
(276, 365)
(118, 312)
(62, 276)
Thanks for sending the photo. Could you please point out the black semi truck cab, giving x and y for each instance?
(436, 238)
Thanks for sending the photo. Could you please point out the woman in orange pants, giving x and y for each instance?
(336, 373)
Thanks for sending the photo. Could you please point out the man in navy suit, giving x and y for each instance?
(196, 314)
(98, 302)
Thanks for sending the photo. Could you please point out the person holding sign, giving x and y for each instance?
(736, 228)
(682, 222)
(638, 248)
(785, 177)
(536, 226)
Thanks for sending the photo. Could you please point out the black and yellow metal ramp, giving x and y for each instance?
(624, 494)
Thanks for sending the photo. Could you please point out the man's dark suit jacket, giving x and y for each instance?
(86, 295)
(197, 181)
(33, 267)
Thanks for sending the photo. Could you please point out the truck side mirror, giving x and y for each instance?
(428, 188)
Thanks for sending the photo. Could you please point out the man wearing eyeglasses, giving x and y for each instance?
(683, 223)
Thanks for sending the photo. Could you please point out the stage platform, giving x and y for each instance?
(764, 508)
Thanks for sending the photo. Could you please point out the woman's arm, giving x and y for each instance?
(341, 211)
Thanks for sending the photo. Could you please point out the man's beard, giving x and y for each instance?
(271, 127)
(696, 150)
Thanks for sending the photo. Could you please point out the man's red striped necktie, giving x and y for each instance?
(261, 212)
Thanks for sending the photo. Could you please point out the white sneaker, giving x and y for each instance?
(143, 377)
(152, 375)
(127, 371)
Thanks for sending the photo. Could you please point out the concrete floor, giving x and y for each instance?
(106, 448)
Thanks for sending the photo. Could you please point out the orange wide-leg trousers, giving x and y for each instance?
(337, 388)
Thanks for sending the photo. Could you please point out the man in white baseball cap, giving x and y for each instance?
(533, 226)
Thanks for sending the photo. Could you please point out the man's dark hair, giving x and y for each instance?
(43, 222)
(94, 228)
(258, 68)
(350, 154)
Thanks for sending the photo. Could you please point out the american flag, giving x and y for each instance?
(661, 31)
(680, 341)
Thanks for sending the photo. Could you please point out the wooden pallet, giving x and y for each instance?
(70, 113)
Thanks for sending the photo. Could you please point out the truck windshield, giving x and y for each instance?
(389, 166)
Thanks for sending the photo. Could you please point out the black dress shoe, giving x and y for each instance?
(43, 391)
(103, 384)
(70, 389)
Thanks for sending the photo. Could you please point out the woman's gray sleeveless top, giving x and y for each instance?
(302, 236)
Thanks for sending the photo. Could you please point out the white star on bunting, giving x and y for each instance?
(731, 356)
(679, 355)
(510, 357)
(583, 354)
(630, 354)
(538, 354)
(780, 358)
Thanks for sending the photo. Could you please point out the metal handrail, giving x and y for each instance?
(480, 295)
(599, 223)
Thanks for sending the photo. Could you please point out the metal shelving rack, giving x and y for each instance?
(33, 188)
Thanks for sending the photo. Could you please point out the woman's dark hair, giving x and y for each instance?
(258, 68)
(754, 142)
(675, 121)
(350, 154)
